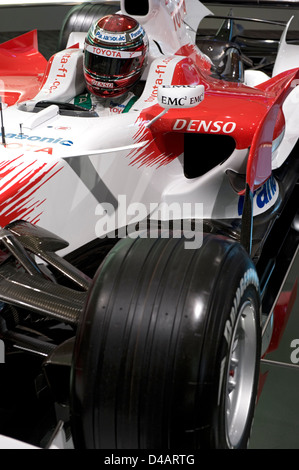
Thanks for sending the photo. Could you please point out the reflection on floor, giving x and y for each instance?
(276, 424)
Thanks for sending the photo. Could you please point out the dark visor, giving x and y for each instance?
(107, 66)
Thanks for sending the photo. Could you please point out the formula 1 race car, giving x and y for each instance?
(175, 223)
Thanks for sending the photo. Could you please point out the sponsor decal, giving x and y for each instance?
(200, 125)
(61, 73)
(115, 104)
(167, 97)
(264, 196)
(107, 37)
(250, 278)
(27, 143)
(169, 101)
(37, 138)
(83, 100)
(116, 108)
(101, 84)
(138, 32)
(101, 51)
(160, 70)
(29, 148)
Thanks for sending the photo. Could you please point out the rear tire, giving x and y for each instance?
(167, 353)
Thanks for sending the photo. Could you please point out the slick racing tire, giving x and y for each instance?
(81, 17)
(167, 352)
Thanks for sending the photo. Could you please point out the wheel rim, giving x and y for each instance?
(240, 374)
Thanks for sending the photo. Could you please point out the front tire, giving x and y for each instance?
(167, 354)
(237, 364)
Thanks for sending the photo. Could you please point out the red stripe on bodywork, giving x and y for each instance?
(17, 197)
(159, 150)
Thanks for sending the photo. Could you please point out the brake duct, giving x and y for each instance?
(29, 287)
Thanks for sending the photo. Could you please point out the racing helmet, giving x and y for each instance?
(115, 54)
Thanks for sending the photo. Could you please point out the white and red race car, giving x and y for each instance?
(145, 331)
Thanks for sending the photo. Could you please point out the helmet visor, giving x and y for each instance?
(109, 63)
